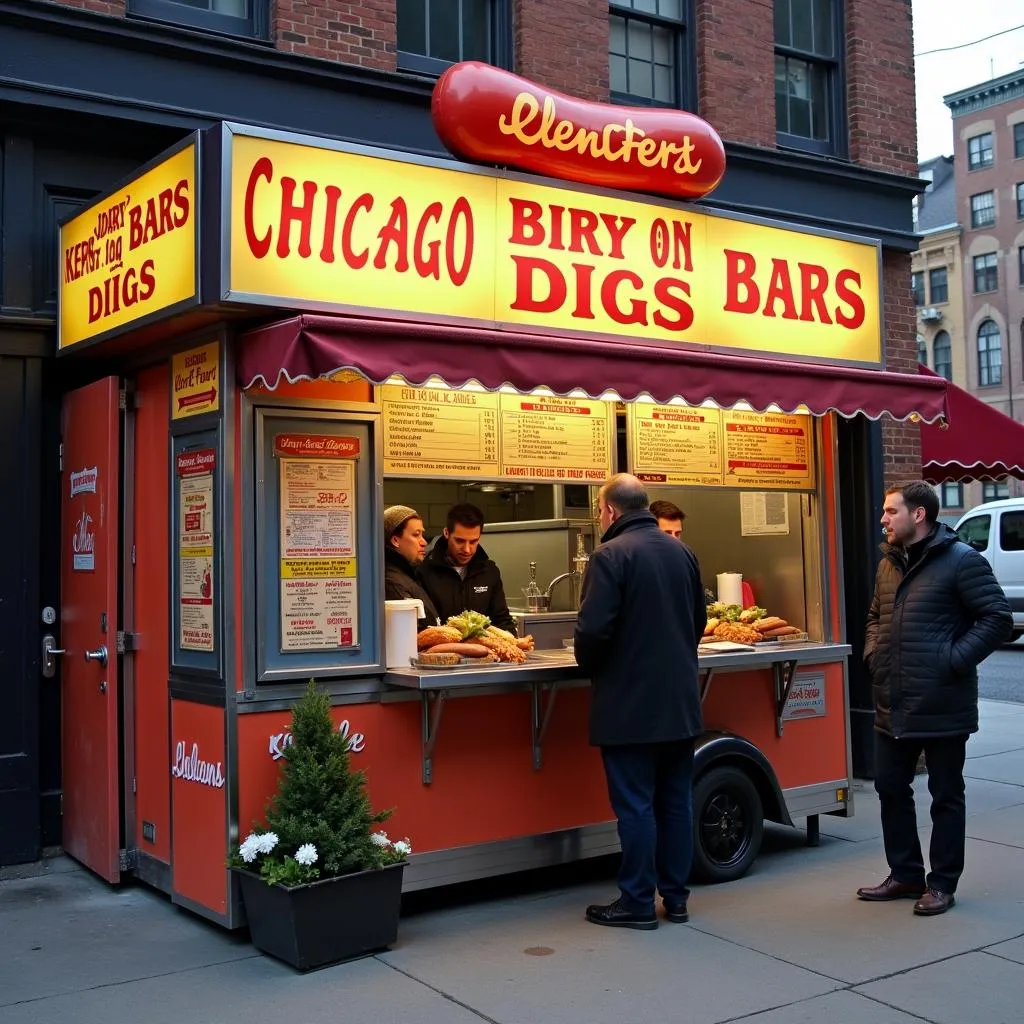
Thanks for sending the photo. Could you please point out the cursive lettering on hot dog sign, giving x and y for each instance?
(484, 114)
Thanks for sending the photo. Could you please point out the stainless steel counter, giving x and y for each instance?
(546, 670)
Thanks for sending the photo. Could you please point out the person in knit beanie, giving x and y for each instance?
(404, 547)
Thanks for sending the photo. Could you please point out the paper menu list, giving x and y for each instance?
(438, 432)
(319, 581)
(683, 445)
(195, 471)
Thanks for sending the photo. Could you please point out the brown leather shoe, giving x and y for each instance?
(934, 902)
(890, 889)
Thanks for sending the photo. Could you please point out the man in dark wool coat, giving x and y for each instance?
(937, 613)
(641, 617)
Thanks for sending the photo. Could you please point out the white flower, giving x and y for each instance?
(380, 839)
(402, 846)
(248, 849)
(306, 854)
(266, 842)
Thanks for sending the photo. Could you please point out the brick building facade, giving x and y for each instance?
(817, 117)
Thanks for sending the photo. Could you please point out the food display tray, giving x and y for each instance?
(461, 663)
(793, 638)
(722, 647)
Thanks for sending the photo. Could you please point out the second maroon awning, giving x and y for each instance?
(978, 443)
(310, 347)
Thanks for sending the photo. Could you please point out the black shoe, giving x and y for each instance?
(677, 912)
(615, 915)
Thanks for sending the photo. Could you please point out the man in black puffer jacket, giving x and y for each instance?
(641, 617)
(937, 613)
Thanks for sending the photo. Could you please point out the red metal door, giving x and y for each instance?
(90, 534)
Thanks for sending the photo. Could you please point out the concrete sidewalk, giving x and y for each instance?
(787, 944)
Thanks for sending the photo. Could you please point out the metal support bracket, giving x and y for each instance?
(430, 723)
(785, 673)
(541, 717)
(705, 683)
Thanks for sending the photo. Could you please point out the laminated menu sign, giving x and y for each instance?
(431, 431)
(555, 440)
(195, 470)
(434, 431)
(689, 445)
(675, 445)
(767, 451)
(319, 580)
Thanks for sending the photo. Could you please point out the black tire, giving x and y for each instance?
(728, 824)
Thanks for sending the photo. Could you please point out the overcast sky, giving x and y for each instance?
(945, 23)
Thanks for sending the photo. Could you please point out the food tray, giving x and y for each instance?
(723, 646)
(793, 638)
(462, 663)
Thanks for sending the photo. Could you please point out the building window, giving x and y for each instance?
(986, 273)
(979, 152)
(1018, 193)
(1020, 264)
(983, 210)
(938, 286)
(990, 355)
(433, 34)
(1018, 140)
(952, 495)
(248, 18)
(917, 287)
(646, 52)
(809, 90)
(993, 490)
(943, 351)
(922, 351)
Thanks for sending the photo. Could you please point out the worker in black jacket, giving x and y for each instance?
(404, 548)
(458, 574)
(937, 613)
(641, 616)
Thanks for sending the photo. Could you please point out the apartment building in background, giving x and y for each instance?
(815, 103)
(988, 159)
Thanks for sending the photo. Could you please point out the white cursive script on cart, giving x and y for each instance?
(192, 769)
(280, 740)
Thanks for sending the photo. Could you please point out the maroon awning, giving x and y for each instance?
(310, 347)
(978, 443)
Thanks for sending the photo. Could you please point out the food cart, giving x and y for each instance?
(285, 335)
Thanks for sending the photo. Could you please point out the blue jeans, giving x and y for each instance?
(650, 786)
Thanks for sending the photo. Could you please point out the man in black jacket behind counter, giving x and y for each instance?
(641, 616)
(937, 613)
(458, 574)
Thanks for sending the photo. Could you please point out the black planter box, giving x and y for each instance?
(324, 922)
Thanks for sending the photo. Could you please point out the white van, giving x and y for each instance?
(996, 529)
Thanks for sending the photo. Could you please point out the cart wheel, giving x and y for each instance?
(728, 823)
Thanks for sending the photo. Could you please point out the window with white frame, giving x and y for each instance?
(1018, 140)
(938, 286)
(1018, 195)
(922, 351)
(990, 354)
(979, 151)
(648, 54)
(952, 495)
(986, 272)
(983, 210)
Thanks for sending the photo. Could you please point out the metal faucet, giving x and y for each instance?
(579, 567)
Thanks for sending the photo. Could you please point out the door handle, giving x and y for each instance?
(50, 650)
(100, 655)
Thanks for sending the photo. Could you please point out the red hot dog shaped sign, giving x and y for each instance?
(491, 116)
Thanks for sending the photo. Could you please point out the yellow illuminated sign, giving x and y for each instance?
(195, 383)
(130, 254)
(322, 228)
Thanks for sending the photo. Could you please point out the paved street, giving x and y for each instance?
(788, 944)
(1001, 677)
